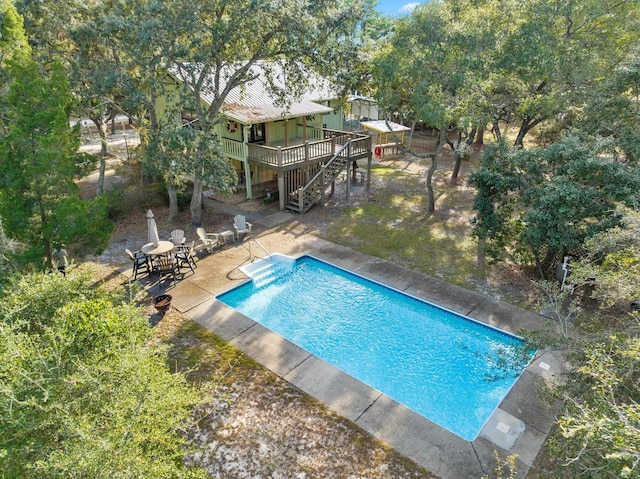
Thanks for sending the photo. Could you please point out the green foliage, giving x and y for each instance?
(614, 112)
(13, 41)
(32, 300)
(39, 159)
(81, 392)
(178, 152)
(611, 265)
(550, 200)
(599, 430)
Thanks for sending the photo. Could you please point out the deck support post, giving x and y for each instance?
(247, 178)
(323, 185)
(348, 178)
(281, 189)
(369, 157)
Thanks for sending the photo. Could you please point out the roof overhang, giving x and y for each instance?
(381, 126)
(249, 115)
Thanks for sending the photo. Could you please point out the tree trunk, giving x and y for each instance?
(102, 129)
(196, 202)
(442, 137)
(413, 129)
(496, 131)
(457, 155)
(480, 137)
(457, 158)
(173, 200)
(526, 126)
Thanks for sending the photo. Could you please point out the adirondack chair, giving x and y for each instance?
(241, 226)
(209, 240)
(177, 237)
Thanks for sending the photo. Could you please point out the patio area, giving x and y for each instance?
(519, 426)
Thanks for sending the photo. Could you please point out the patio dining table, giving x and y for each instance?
(162, 248)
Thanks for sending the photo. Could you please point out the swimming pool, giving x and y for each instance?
(444, 366)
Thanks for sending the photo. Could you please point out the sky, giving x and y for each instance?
(397, 7)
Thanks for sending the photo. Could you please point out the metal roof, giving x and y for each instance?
(381, 126)
(256, 102)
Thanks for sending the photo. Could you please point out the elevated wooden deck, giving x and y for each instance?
(301, 153)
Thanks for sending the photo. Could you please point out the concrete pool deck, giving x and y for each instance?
(519, 426)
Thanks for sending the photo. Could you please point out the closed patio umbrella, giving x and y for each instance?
(152, 233)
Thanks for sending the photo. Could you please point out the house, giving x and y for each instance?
(294, 146)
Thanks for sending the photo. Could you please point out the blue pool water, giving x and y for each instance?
(444, 366)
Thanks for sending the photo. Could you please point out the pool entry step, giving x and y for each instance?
(271, 273)
(265, 271)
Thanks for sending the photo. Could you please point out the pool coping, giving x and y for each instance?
(519, 425)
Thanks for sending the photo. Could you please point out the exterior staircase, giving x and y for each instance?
(306, 196)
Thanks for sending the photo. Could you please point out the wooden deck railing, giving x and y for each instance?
(235, 149)
(289, 156)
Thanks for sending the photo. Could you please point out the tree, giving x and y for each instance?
(547, 60)
(613, 111)
(545, 202)
(14, 46)
(425, 72)
(179, 150)
(39, 159)
(96, 77)
(609, 269)
(75, 34)
(216, 44)
(598, 431)
(82, 392)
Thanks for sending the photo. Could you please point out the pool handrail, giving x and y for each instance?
(251, 255)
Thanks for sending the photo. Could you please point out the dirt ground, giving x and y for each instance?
(256, 425)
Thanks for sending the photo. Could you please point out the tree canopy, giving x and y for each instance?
(39, 160)
(82, 393)
(545, 202)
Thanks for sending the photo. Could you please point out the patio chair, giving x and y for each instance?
(140, 262)
(163, 266)
(209, 240)
(185, 257)
(241, 226)
(177, 237)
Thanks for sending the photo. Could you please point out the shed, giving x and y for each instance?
(362, 108)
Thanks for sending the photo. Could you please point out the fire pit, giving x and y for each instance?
(162, 303)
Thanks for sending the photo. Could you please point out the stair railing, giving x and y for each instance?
(315, 188)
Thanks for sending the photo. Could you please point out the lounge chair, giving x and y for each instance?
(140, 262)
(177, 237)
(209, 240)
(241, 226)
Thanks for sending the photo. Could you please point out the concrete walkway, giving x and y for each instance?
(519, 425)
